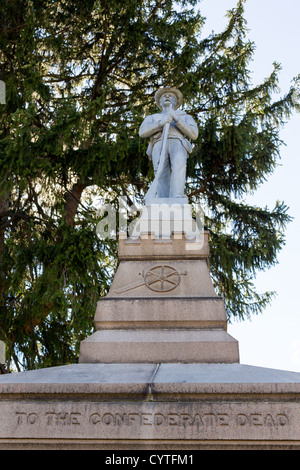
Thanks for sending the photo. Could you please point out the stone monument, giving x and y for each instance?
(168, 147)
(160, 372)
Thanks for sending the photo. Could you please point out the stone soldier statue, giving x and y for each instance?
(169, 146)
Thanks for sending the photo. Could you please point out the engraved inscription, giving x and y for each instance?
(158, 419)
(149, 420)
(26, 418)
(63, 419)
(258, 419)
(197, 420)
(49, 418)
(186, 419)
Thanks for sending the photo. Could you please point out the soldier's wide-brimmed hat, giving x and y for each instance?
(161, 91)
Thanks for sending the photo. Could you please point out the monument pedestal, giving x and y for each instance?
(150, 406)
(162, 307)
(159, 373)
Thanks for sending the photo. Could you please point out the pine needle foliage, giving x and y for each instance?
(80, 77)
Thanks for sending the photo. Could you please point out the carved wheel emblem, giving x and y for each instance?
(162, 278)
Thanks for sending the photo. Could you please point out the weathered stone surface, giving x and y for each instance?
(160, 345)
(163, 312)
(161, 307)
(176, 278)
(139, 406)
(139, 421)
(147, 247)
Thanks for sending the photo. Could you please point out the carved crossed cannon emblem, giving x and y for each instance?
(160, 278)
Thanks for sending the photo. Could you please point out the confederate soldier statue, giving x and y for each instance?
(169, 146)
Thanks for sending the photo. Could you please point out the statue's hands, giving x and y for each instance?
(166, 118)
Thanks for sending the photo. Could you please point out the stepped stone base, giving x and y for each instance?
(161, 307)
(161, 313)
(161, 345)
(150, 406)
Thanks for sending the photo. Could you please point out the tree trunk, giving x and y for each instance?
(72, 202)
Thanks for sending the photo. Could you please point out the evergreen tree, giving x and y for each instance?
(80, 76)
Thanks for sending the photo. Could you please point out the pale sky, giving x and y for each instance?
(272, 339)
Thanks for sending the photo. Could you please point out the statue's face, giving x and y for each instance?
(168, 100)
